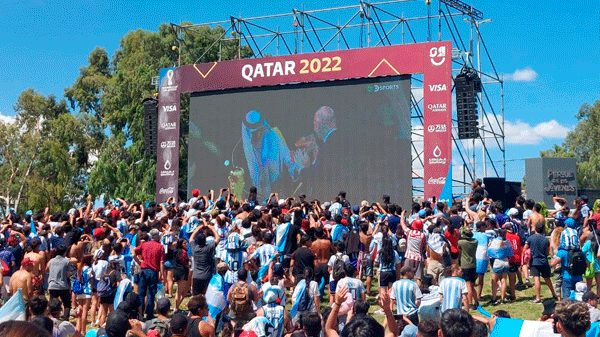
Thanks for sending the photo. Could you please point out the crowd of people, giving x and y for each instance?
(216, 265)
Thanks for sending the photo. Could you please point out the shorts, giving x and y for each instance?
(199, 286)
(514, 267)
(287, 260)
(180, 275)
(169, 265)
(469, 274)
(83, 296)
(543, 271)
(436, 269)
(108, 299)
(368, 268)
(321, 272)
(500, 266)
(567, 286)
(454, 256)
(417, 267)
(386, 278)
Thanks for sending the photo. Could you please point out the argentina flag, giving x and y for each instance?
(14, 308)
(281, 234)
(215, 297)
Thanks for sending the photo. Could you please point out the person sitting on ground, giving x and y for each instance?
(591, 299)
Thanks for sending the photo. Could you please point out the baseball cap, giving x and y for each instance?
(163, 304)
(248, 333)
(26, 261)
(508, 226)
(195, 192)
(178, 323)
(549, 305)
(417, 224)
(589, 295)
(466, 231)
(98, 232)
(278, 269)
(302, 196)
(409, 331)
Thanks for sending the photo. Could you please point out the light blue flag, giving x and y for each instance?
(14, 308)
(301, 286)
(522, 328)
(281, 234)
(123, 289)
(215, 297)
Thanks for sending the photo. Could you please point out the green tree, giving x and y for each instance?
(583, 143)
(115, 93)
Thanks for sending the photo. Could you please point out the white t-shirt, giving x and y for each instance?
(313, 291)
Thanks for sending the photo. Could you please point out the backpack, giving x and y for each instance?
(338, 270)
(304, 301)
(160, 326)
(77, 287)
(576, 262)
(103, 287)
(241, 303)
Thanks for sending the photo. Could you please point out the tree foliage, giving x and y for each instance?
(583, 143)
(92, 141)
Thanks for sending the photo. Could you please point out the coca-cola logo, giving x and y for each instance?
(437, 181)
(166, 190)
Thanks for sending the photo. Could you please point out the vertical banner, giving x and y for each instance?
(167, 158)
(437, 122)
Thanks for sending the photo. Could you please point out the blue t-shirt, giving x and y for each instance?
(564, 257)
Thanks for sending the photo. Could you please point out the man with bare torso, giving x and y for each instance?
(323, 250)
(23, 279)
(535, 218)
(366, 261)
(33, 253)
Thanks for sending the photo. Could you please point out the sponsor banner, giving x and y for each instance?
(302, 68)
(167, 160)
(437, 121)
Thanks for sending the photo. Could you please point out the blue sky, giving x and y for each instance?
(548, 51)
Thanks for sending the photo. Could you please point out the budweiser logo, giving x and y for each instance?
(437, 181)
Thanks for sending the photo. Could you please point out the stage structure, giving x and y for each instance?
(402, 47)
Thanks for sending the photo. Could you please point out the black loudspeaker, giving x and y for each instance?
(495, 189)
(512, 189)
(150, 125)
(467, 84)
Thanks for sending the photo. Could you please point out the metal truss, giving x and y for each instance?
(371, 24)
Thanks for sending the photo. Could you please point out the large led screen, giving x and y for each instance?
(315, 139)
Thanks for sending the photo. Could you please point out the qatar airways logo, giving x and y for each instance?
(437, 107)
(437, 181)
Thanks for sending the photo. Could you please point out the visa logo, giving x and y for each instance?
(437, 87)
(169, 108)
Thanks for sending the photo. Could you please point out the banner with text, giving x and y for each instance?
(433, 59)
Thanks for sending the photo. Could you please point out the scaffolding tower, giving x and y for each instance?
(372, 24)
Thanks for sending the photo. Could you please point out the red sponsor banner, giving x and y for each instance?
(433, 59)
(301, 68)
(437, 120)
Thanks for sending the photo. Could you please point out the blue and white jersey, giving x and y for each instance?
(481, 258)
(167, 240)
(406, 293)
(264, 253)
(500, 249)
(222, 232)
(569, 239)
(388, 267)
(275, 314)
(355, 287)
(123, 226)
(261, 326)
(86, 278)
(235, 261)
(452, 290)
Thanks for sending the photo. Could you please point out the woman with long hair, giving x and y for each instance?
(389, 264)
(499, 251)
(111, 277)
(590, 249)
(83, 299)
(181, 271)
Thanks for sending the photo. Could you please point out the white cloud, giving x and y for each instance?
(6, 119)
(526, 74)
(524, 134)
